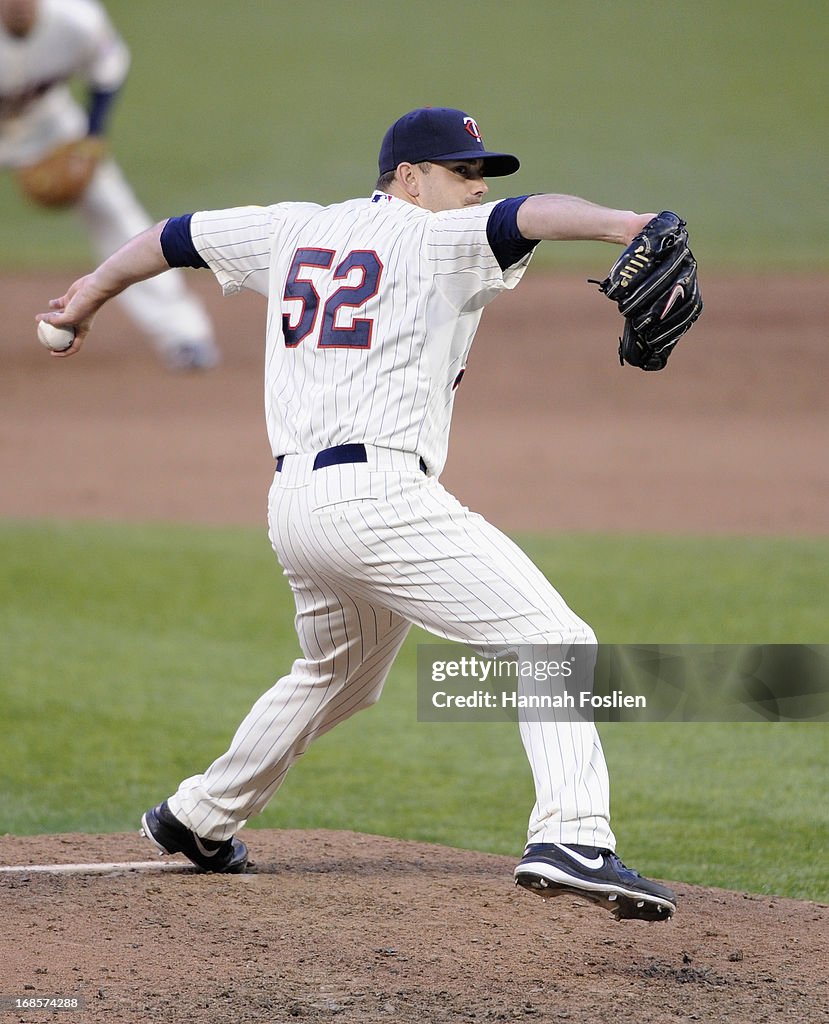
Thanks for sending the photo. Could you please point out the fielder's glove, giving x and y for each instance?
(654, 284)
(62, 176)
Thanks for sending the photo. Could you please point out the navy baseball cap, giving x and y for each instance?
(440, 133)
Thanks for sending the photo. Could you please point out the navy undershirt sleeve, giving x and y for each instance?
(177, 243)
(100, 104)
(505, 240)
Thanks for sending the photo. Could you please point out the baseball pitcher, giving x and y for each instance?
(373, 304)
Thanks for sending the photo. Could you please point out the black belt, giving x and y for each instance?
(339, 454)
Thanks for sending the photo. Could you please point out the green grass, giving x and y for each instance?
(714, 108)
(128, 655)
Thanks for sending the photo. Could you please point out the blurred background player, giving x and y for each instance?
(43, 45)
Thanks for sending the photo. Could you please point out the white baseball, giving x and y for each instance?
(58, 339)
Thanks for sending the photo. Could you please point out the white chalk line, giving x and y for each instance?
(95, 869)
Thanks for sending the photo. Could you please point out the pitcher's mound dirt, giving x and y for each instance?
(335, 926)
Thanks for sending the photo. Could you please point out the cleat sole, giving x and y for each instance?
(623, 906)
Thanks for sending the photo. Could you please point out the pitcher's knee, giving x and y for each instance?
(581, 634)
(566, 635)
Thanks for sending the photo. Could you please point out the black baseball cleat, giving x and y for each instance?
(551, 869)
(161, 827)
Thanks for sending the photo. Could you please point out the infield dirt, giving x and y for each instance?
(342, 927)
(550, 433)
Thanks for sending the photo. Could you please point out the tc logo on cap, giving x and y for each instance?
(471, 125)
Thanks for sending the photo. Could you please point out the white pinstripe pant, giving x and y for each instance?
(369, 549)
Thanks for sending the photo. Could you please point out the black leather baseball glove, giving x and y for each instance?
(654, 284)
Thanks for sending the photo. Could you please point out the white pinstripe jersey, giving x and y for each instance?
(372, 307)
